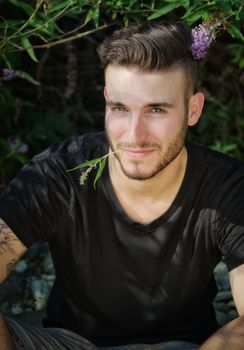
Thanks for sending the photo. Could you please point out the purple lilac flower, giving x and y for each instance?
(8, 74)
(202, 37)
(17, 145)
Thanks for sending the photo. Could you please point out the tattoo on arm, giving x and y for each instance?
(7, 239)
(10, 265)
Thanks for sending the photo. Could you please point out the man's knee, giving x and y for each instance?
(8, 338)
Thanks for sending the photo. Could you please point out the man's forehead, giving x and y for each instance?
(129, 78)
(123, 83)
(125, 72)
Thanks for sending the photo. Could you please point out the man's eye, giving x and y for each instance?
(118, 108)
(158, 110)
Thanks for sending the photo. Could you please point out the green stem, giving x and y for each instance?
(26, 23)
(65, 40)
(49, 21)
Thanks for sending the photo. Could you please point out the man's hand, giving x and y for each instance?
(229, 337)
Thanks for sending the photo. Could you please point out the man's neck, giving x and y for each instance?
(144, 201)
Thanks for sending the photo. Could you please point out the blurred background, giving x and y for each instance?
(51, 87)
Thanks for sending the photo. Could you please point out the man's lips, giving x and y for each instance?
(138, 153)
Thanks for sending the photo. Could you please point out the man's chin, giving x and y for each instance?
(139, 175)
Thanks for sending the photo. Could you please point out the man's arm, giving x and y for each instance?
(231, 336)
(237, 287)
(11, 249)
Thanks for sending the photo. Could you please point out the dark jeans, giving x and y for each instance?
(32, 338)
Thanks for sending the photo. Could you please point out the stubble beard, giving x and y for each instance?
(172, 151)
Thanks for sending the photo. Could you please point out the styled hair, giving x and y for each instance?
(152, 46)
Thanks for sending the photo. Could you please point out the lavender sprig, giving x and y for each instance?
(202, 37)
(9, 74)
(91, 165)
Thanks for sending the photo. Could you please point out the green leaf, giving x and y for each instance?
(85, 164)
(189, 11)
(185, 3)
(53, 28)
(93, 14)
(81, 4)
(237, 52)
(60, 6)
(196, 12)
(6, 60)
(11, 24)
(206, 16)
(21, 158)
(23, 5)
(27, 45)
(40, 25)
(220, 147)
(240, 14)
(95, 17)
(192, 17)
(235, 32)
(164, 10)
(225, 5)
(131, 3)
(102, 164)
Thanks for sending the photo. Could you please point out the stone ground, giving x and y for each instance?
(23, 295)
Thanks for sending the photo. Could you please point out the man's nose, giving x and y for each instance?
(137, 129)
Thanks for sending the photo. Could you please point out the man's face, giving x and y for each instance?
(146, 118)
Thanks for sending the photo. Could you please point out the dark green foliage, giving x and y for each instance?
(34, 127)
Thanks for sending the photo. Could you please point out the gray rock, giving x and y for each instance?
(47, 264)
(17, 308)
(222, 318)
(21, 266)
(222, 277)
(225, 295)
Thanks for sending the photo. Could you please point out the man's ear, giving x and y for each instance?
(195, 108)
(105, 92)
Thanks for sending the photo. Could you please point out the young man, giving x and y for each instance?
(134, 258)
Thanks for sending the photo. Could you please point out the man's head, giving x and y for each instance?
(150, 79)
(152, 47)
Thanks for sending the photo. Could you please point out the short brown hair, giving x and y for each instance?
(150, 47)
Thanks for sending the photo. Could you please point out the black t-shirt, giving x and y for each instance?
(119, 281)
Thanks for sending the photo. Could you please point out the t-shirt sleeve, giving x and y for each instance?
(230, 221)
(36, 202)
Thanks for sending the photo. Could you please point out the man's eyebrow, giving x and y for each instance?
(113, 103)
(160, 104)
(151, 105)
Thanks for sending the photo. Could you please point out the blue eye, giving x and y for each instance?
(158, 110)
(118, 109)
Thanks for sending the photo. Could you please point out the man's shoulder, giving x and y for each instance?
(85, 146)
(219, 174)
(214, 158)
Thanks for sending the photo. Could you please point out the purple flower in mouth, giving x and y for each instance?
(202, 37)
